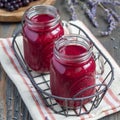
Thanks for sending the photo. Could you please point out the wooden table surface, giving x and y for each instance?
(112, 45)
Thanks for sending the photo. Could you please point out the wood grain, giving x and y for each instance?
(15, 16)
(2, 93)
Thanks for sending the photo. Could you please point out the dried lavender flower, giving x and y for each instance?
(75, 2)
(91, 17)
(91, 3)
(112, 23)
(94, 10)
(111, 2)
(71, 9)
(117, 2)
(116, 16)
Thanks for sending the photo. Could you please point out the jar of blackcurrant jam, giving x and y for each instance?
(72, 69)
(41, 28)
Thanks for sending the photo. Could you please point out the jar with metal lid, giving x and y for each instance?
(73, 69)
(41, 27)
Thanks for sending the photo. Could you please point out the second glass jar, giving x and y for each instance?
(41, 27)
(72, 70)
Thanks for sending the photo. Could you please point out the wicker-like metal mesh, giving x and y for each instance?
(42, 83)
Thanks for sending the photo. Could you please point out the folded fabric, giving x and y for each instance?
(33, 101)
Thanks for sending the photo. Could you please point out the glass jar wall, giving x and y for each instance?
(72, 69)
(41, 27)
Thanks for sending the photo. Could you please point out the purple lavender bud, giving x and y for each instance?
(71, 9)
(112, 23)
(117, 2)
(111, 2)
(104, 33)
(91, 17)
(74, 17)
(110, 18)
(75, 2)
(92, 3)
(116, 16)
(94, 10)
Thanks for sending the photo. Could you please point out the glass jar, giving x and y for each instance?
(72, 69)
(41, 27)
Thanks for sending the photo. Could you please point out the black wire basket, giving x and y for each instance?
(42, 82)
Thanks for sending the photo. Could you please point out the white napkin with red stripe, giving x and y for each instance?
(33, 101)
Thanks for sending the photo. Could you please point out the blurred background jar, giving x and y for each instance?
(41, 27)
(73, 70)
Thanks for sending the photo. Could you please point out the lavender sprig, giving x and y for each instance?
(112, 23)
(94, 10)
(75, 2)
(91, 17)
(91, 3)
(93, 6)
(71, 9)
(116, 16)
(111, 2)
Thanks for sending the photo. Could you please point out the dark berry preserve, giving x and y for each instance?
(72, 70)
(42, 27)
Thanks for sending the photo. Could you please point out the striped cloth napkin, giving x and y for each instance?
(33, 101)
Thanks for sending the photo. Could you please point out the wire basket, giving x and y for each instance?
(42, 82)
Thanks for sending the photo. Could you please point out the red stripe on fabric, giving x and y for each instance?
(12, 61)
(84, 118)
(106, 113)
(48, 110)
(107, 100)
(81, 118)
(113, 95)
(110, 104)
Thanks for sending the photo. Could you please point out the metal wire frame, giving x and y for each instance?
(51, 100)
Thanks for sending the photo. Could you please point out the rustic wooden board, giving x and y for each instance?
(2, 94)
(15, 16)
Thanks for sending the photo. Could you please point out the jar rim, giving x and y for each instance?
(40, 9)
(77, 58)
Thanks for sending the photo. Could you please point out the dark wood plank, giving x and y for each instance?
(6, 29)
(3, 110)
